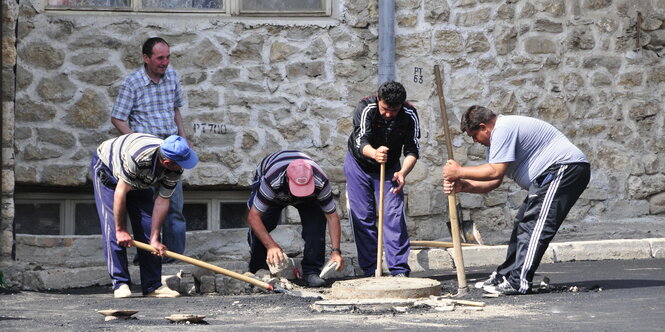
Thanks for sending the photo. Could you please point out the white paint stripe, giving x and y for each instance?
(363, 119)
(416, 127)
(538, 229)
(105, 219)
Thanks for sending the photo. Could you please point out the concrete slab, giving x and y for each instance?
(385, 287)
(601, 250)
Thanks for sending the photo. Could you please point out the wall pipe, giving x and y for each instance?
(386, 41)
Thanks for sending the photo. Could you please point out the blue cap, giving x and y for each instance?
(176, 148)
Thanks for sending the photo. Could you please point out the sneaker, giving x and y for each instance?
(122, 292)
(503, 288)
(314, 280)
(494, 280)
(401, 275)
(163, 291)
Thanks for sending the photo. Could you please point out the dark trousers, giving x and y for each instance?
(313, 232)
(362, 190)
(550, 198)
(139, 209)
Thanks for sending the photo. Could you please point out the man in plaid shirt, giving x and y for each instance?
(149, 101)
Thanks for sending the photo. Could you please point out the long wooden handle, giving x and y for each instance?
(379, 227)
(452, 197)
(439, 244)
(205, 265)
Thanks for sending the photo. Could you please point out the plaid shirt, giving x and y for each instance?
(133, 158)
(148, 107)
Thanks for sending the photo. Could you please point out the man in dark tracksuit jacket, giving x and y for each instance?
(383, 127)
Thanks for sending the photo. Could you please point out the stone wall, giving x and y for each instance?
(9, 19)
(254, 86)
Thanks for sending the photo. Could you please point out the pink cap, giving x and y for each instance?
(301, 182)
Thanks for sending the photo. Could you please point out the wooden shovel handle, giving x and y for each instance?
(205, 265)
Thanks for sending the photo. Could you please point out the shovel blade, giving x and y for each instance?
(468, 232)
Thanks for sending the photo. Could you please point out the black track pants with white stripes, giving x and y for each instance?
(550, 198)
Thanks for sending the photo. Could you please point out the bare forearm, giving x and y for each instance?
(485, 172)
(478, 187)
(408, 165)
(159, 211)
(122, 126)
(178, 122)
(334, 229)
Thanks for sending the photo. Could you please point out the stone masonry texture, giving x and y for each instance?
(255, 85)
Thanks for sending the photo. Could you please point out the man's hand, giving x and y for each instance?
(123, 238)
(452, 187)
(381, 154)
(451, 171)
(337, 257)
(275, 255)
(399, 178)
(161, 248)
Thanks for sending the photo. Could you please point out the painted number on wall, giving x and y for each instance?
(418, 75)
(210, 128)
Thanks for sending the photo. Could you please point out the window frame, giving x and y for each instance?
(68, 201)
(229, 8)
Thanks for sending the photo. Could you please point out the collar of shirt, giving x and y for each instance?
(147, 81)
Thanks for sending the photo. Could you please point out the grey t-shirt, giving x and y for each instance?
(530, 146)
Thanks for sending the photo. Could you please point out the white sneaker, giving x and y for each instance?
(122, 292)
(163, 291)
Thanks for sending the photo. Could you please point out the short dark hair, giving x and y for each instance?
(150, 43)
(474, 116)
(392, 93)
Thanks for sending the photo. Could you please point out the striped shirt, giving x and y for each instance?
(134, 159)
(369, 128)
(270, 178)
(148, 107)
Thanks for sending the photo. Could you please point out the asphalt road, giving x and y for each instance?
(610, 296)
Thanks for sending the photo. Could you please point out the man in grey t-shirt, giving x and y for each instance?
(540, 159)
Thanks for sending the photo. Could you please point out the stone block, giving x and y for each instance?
(657, 203)
(41, 55)
(437, 11)
(540, 45)
(171, 281)
(64, 251)
(601, 250)
(231, 286)
(207, 284)
(473, 17)
(58, 279)
(448, 41)
(657, 247)
(430, 259)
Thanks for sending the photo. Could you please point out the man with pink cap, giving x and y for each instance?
(292, 178)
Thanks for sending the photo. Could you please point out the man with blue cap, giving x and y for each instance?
(124, 171)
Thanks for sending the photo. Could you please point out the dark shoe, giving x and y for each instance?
(494, 280)
(401, 275)
(503, 288)
(314, 280)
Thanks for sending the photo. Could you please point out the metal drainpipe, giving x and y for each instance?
(386, 41)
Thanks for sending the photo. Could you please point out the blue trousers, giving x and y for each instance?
(313, 232)
(139, 209)
(175, 227)
(362, 196)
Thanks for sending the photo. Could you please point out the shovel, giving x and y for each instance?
(216, 269)
(467, 229)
